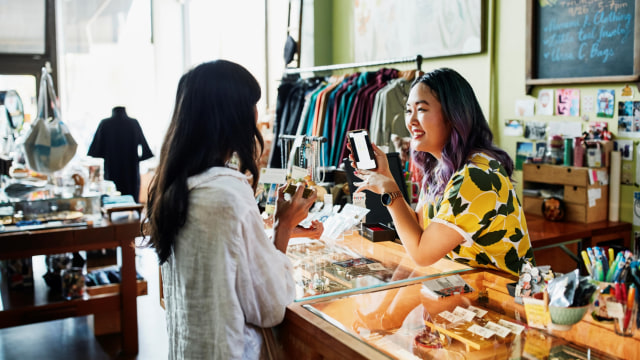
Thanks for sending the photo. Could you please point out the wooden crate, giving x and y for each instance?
(574, 181)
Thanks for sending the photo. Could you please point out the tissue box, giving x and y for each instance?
(377, 232)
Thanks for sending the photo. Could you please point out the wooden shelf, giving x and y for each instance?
(37, 304)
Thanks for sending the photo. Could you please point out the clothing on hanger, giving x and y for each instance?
(117, 140)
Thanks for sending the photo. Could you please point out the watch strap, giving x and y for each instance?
(392, 196)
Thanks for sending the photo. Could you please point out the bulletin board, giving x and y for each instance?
(582, 41)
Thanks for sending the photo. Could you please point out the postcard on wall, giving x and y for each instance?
(629, 118)
(625, 147)
(513, 127)
(541, 149)
(588, 102)
(605, 103)
(524, 150)
(535, 130)
(545, 102)
(525, 107)
(568, 102)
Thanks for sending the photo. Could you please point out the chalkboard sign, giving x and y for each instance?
(581, 41)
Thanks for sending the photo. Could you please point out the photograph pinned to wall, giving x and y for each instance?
(626, 92)
(545, 102)
(604, 103)
(513, 127)
(535, 130)
(524, 151)
(625, 147)
(588, 103)
(568, 102)
(598, 130)
(629, 118)
(525, 107)
(541, 150)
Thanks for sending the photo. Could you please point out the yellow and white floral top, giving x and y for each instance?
(480, 203)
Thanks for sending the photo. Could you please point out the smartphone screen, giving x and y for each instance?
(362, 149)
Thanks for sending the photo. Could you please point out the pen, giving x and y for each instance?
(587, 263)
(592, 257)
(611, 256)
(618, 292)
(630, 300)
(599, 271)
(602, 257)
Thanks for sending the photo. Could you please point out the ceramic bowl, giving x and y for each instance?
(562, 318)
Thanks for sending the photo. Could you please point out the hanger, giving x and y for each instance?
(419, 71)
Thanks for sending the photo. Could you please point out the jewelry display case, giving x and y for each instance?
(408, 322)
(323, 269)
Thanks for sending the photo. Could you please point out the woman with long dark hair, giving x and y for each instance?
(468, 209)
(223, 278)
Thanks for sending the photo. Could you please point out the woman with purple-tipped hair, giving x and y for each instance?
(468, 209)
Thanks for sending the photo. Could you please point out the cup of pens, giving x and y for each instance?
(623, 309)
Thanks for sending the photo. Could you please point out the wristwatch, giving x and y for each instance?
(388, 198)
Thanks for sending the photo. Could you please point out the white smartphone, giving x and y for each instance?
(362, 149)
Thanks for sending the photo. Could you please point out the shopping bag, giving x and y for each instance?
(49, 145)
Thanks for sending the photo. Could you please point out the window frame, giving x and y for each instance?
(31, 64)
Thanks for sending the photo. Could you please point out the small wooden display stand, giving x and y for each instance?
(584, 202)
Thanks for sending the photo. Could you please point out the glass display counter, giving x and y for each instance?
(408, 322)
(354, 263)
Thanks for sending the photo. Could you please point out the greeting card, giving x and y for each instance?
(568, 102)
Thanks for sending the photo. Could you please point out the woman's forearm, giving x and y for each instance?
(407, 226)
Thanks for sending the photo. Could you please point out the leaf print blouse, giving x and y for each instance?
(480, 203)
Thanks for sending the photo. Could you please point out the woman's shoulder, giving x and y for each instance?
(484, 161)
(220, 185)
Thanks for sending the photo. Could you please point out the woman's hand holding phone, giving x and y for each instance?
(377, 180)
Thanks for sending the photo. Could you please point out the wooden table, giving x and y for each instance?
(547, 235)
(32, 306)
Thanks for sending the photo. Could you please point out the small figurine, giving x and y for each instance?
(606, 134)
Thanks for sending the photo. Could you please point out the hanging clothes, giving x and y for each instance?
(331, 106)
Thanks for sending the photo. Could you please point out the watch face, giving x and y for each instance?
(386, 199)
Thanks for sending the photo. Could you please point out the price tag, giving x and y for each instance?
(479, 312)
(273, 176)
(500, 330)
(515, 328)
(467, 315)
(298, 172)
(450, 317)
(479, 330)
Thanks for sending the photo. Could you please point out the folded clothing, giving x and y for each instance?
(106, 276)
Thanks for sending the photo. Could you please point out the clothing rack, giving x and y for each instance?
(328, 68)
